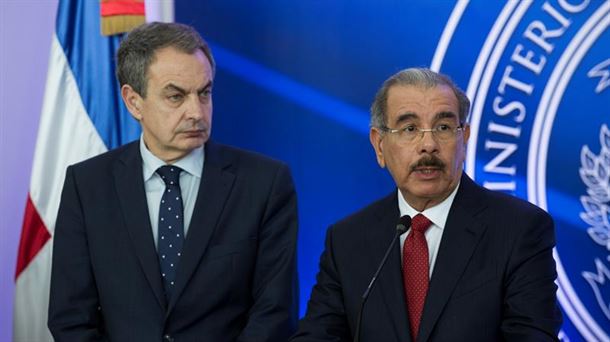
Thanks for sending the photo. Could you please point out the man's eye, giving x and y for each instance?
(206, 93)
(410, 128)
(443, 128)
(175, 97)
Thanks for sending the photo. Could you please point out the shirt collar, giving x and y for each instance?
(191, 163)
(437, 214)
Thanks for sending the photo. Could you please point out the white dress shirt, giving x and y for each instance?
(190, 178)
(437, 214)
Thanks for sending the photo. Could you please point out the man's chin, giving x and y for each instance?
(426, 188)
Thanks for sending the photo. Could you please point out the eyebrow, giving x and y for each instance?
(412, 116)
(406, 116)
(206, 86)
(445, 115)
(174, 87)
(181, 90)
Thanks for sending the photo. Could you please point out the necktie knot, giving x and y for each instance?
(420, 223)
(170, 174)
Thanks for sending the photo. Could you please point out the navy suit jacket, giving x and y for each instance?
(236, 280)
(493, 279)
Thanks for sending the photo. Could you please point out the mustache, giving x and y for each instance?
(428, 161)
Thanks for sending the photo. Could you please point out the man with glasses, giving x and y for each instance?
(474, 265)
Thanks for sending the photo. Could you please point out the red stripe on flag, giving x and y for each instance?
(34, 235)
(121, 7)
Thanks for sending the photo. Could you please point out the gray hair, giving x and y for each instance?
(418, 77)
(137, 51)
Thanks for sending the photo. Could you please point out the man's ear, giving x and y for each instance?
(133, 101)
(376, 137)
(466, 133)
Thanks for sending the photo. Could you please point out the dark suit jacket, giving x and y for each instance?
(237, 276)
(493, 278)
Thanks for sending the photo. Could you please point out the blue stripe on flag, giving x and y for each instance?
(92, 59)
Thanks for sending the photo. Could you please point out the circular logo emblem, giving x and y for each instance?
(538, 76)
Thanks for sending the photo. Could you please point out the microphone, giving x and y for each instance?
(402, 226)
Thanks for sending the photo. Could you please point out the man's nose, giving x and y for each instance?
(195, 108)
(428, 143)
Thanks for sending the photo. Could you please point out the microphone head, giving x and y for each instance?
(403, 224)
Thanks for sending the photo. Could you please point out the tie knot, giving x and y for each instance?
(420, 223)
(170, 174)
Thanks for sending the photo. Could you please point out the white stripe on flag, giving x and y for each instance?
(159, 10)
(32, 299)
(66, 135)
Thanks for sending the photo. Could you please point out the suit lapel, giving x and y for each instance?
(215, 187)
(460, 238)
(390, 278)
(129, 184)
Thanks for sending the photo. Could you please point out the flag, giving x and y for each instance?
(120, 16)
(82, 116)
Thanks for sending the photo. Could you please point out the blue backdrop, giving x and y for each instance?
(295, 80)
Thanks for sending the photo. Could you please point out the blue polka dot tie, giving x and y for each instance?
(171, 226)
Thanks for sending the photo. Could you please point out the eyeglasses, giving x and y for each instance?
(410, 133)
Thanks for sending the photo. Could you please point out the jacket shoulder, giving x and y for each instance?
(242, 161)
(102, 161)
(509, 205)
(375, 211)
(243, 155)
(474, 197)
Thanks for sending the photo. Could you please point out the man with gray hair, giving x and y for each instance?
(174, 237)
(463, 263)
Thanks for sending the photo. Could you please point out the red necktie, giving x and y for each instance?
(415, 270)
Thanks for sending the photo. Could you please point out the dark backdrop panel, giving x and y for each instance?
(295, 80)
(334, 53)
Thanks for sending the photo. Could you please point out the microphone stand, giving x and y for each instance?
(401, 227)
